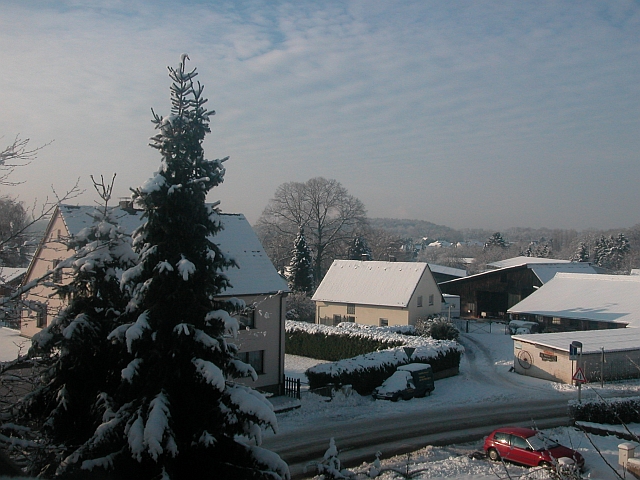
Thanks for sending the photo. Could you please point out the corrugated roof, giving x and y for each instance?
(389, 284)
(546, 272)
(605, 298)
(593, 341)
(255, 275)
(522, 260)
(454, 272)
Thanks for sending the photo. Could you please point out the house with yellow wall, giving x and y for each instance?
(255, 281)
(377, 293)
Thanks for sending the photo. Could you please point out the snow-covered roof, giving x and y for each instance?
(388, 284)
(522, 260)
(8, 274)
(546, 272)
(605, 298)
(255, 275)
(593, 341)
(454, 272)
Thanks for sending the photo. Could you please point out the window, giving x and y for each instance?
(57, 274)
(502, 437)
(351, 319)
(41, 315)
(336, 319)
(384, 322)
(420, 301)
(246, 318)
(255, 359)
(431, 300)
(557, 321)
(519, 442)
(351, 309)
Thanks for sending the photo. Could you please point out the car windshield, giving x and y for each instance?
(541, 442)
(395, 383)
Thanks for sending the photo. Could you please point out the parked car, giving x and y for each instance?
(408, 381)
(521, 327)
(526, 446)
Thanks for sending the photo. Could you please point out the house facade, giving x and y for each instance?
(377, 293)
(609, 355)
(255, 281)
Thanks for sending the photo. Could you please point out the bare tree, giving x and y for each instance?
(326, 211)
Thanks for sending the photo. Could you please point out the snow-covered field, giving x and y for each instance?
(484, 380)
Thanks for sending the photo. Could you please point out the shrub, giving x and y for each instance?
(438, 328)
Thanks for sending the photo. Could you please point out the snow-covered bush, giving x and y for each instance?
(438, 328)
(366, 371)
(614, 411)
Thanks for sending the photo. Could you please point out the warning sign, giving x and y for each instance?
(579, 377)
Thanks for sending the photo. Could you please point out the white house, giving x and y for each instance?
(377, 293)
(256, 281)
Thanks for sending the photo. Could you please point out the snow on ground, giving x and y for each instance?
(484, 379)
(12, 344)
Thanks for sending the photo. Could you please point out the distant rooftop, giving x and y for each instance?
(617, 339)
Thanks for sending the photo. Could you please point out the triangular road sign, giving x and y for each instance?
(579, 376)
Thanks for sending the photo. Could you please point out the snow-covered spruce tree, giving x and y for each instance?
(300, 274)
(581, 254)
(495, 240)
(178, 413)
(79, 363)
(359, 249)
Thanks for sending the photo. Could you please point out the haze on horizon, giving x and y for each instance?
(470, 115)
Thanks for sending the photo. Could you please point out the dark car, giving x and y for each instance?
(408, 381)
(526, 446)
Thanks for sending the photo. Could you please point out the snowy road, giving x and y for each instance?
(485, 395)
(358, 440)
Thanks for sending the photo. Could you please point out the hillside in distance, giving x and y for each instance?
(416, 229)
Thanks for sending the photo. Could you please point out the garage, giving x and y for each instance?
(607, 355)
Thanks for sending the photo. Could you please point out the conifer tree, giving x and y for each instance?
(80, 364)
(359, 249)
(495, 240)
(581, 254)
(177, 413)
(300, 274)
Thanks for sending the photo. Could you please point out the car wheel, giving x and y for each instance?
(395, 398)
(493, 454)
(544, 464)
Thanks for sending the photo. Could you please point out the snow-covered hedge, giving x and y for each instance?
(344, 341)
(614, 411)
(367, 371)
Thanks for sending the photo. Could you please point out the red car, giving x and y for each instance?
(527, 447)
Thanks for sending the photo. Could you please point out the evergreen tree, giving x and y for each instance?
(494, 241)
(581, 254)
(80, 364)
(359, 249)
(177, 412)
(300, 274)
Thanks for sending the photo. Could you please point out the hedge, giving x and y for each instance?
(365, 372)
(331, 347)
(613, 411)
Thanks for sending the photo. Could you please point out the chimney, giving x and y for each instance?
(392, 258)
(364, 257)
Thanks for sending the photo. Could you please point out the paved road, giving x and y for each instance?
(359, 440)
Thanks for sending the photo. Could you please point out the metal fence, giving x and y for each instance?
(480, 326)
(292, 387)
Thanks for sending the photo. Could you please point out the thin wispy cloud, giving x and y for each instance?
(466, 114)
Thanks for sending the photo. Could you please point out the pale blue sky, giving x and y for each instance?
(469, 114)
